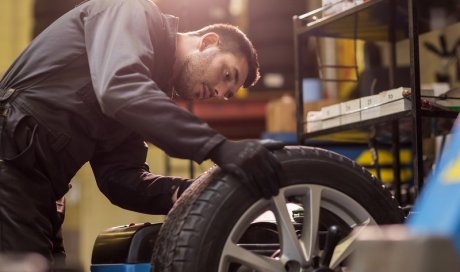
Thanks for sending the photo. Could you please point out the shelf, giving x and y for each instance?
(379, 120)
(359, 125)
(378, 20)
(372, 21)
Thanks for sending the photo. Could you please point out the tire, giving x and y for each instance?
(205, 230)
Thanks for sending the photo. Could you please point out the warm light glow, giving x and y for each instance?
(242, 93)
(236, 7)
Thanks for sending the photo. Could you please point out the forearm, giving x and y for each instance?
(147, 193)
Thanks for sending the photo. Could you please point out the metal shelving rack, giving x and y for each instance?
(375, 20)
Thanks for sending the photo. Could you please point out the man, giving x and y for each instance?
(92, 87)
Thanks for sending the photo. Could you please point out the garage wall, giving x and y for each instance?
(15, 29)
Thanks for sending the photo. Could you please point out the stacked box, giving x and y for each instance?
(281, 115)
(364, 108)
(331, 116)
(370, 107)
(393, 94)
(314, 121)
(350, 111)
(336, 6)
(393, 101)
(434, 89)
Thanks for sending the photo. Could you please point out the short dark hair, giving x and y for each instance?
(235, 41)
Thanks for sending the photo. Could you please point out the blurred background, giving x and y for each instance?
(268, 107)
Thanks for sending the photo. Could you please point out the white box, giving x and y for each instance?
(350, 118)
(314, 126)
(434, 89)
(314, 121)
(330, 116)
(330, 111)
(350, 111)
(393, 94)
(370, 107)
(370, 113)
(331, 122)
(336, 6)
(370, 101)
(395, 106)
(314, 116)
(350, 106)
(393, 101)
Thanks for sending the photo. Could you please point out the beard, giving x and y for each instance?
(192, 73)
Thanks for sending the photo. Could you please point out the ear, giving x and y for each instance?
(209, 39)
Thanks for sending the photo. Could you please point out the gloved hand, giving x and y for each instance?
(180, 189)
(183, 186)
(272, 144)
(252, 163)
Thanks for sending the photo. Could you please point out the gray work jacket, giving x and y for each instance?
(97, 82)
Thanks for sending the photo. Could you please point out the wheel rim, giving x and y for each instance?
(300, 250)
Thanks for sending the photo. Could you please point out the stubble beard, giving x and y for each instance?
(192, 73)
(183, 79)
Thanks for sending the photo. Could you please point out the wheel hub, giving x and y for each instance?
(293, 266)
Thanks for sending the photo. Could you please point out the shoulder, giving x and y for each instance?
(95, 7)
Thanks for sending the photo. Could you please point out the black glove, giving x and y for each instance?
(183, 186)
(272, 144)
(252, 163)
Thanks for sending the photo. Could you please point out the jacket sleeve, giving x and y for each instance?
(120, 49)
(124, 178)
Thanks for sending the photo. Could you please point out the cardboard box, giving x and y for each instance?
(281, 115)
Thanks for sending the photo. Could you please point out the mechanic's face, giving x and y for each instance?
(211, 73)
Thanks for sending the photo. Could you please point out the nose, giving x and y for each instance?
(224, 94)
(224, 90)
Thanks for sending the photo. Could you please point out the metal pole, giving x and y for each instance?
(415, 86)
(298, 58)
(396, 150)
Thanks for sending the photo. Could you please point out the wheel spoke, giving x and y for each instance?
(347, 245)
(312, 203)
(301, 251)
(291, 248)
(237, 254)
